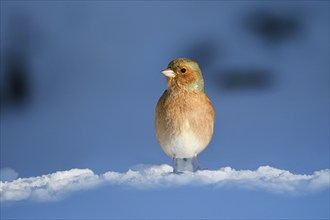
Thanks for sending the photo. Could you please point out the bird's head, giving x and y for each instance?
(184, 74)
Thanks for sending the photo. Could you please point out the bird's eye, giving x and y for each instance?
(183, 70)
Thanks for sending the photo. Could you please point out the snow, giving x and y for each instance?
(55, 186)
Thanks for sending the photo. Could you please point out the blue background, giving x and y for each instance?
(80, 81)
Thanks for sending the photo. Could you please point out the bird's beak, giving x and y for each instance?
(168, 73)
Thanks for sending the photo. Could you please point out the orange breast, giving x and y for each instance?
(184, 123)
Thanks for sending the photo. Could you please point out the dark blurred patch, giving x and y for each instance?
(205, 52)
(16, 88)
(274, 28)
(239, 79)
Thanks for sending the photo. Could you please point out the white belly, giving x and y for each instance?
(184, 145)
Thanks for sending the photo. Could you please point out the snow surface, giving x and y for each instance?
(54, 186)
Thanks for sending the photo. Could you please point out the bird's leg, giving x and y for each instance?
(175, 169)
(181, 165)
(196, 164)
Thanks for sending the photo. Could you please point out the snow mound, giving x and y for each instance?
(56, 185)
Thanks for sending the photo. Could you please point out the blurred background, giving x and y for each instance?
(80, 81)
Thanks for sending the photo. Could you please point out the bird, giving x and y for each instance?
(184, 115)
